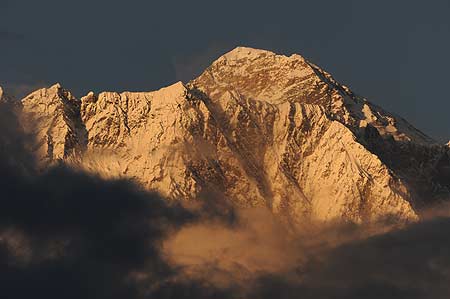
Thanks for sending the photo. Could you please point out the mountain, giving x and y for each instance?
(260, 129)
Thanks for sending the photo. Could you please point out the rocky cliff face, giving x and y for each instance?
(259, 128)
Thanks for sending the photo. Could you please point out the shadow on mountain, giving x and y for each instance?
(425, 169)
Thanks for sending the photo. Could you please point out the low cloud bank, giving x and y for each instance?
(259, 260)
(69, 234)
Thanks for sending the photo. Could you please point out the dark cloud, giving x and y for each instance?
(67, 234)
(408, 263)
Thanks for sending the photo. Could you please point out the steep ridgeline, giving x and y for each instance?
(261, 129)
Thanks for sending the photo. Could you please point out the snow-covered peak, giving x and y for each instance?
(239, 53)
(53, 93)
(259, 74)
(273, 78)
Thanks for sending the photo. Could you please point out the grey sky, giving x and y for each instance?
(393, 52)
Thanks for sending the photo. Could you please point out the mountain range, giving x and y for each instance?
(257, 128)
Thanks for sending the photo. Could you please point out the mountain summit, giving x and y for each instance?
(260, 129)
